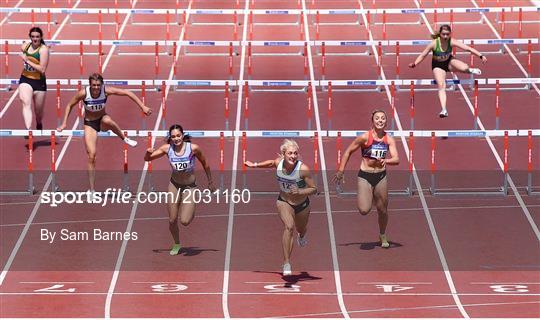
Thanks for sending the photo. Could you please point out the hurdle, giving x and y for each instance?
(407, 191)
(279, 135)
(531, 191)
(499, 191)
(30, 190)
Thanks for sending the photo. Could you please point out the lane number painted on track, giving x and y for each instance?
(56, 288)
(509, 288)
(168, 287)
(279, 288)
(392, 287)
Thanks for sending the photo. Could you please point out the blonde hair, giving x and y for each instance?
(288, 143)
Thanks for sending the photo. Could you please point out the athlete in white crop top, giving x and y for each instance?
(295, 184)
(96, 119)
(181, 154)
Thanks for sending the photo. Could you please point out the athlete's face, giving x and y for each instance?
(291, 155)
(176, 137)
(379, 120)
(36, 38)
(95, 87)
(445, 34)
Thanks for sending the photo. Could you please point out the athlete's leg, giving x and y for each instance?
(90, 141)
(25, 95)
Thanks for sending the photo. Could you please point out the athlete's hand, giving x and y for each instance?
(147, 111)
(338, 177)
(294, 190)
(382, 162)
(250, 164)
(61, 127)
(412, 65)
(484, 59)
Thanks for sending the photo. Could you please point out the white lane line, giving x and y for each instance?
(10, 13)
(28, 223)
(330, 221)
(55, 35)
(486, 19)
(120, 258)
(230, 224)
(427, 213)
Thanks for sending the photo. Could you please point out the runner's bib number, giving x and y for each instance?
(378, 152)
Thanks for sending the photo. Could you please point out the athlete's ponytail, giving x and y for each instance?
(38, 30)
(186, 138)
(438, 33)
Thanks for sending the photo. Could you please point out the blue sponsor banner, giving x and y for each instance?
(116, 83)
(421, 42)
(53, 42)
(466, 133)
(143, 11)
(202, 43)
(362, 83)
(196, 133)
(78, 133)
(280, 134)
(276, 12)
(5, 133)
(74, 11)
(353, 43)
(501, 41)
(209, 11)
(193, 83)
(412, 11)
(127, 43)
(276, 43)
(477, 10)
(342, 12)
(10, 10)
(276, 83)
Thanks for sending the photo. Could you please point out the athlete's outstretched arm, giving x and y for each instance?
(122, 92)
(152, 154)
(263, 164)
(472, 50)
(423, 55)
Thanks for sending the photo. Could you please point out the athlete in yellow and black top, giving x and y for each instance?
(32, 84)
(443, 61)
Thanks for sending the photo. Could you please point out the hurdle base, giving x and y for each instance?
(532, 191)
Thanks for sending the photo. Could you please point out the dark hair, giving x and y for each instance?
(178, 127)
(96, 77)
(38, 30)
(438, 33)
(377, 111)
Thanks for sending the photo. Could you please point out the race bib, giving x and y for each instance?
(28, 67)
(181, 166)
(378, 151)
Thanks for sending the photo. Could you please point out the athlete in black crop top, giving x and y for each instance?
(378, 150)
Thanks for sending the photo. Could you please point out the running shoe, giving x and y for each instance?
(384, 241)
(443, 113)
(131, 143)
(39, 126)
(287, 269)
(475, 71)
(302, 241)
(175, 249)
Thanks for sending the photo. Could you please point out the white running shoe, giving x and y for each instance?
(131, 143)
(384, 241)
(475, 71)
(287, 269)
(443, 113)
(302, 241)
